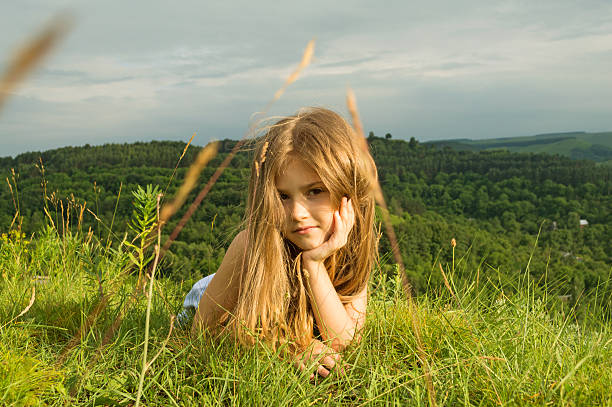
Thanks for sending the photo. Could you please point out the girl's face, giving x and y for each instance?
(307, 204)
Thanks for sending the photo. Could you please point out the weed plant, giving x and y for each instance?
(486, 344)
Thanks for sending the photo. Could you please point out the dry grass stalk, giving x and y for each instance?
(447, 284)
(16, 217)
(177, 164)
(378, 195)
(76, 339)
(262, 158)
(50, 218)
(194, 205)
(306, 58)
(191, 178)
(82, 209)
(63, 220)
(453, 245)
(264, 150)
(351, 104)
(26, 309)
(31, 54)
(185, 149)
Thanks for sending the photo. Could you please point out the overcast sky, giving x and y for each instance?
(160, 70)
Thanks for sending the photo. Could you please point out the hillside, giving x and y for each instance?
(497, 204)
(576, 145)
(517, 313)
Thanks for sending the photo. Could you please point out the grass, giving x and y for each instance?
(486, 344)
(81, 340)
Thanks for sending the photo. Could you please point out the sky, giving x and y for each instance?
(441, 69)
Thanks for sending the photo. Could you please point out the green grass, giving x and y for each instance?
(486, 344)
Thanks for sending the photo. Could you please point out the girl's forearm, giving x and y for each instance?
(335, 324)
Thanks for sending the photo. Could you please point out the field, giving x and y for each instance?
(85, 320)
(72, 331)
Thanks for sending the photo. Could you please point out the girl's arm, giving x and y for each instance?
(221, 294)
(338, 323)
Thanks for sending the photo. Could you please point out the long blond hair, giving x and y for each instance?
(273, 302)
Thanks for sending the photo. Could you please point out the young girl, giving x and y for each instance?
(298, 273)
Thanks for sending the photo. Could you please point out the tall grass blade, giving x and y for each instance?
(378, 195)
(31, 54)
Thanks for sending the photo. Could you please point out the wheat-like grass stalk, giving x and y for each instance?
(378, 194)
(32, 53)
(453, 245)
(380, 199)
(306, 59)
(177, 164)
(191, 178)
(15, 202)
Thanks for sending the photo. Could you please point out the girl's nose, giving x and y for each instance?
(298, 210)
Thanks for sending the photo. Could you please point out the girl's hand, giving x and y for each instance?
(324, 357)
(344, 219)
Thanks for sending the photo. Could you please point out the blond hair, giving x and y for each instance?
(273, 302)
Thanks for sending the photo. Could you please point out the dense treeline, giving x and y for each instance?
(494, 203)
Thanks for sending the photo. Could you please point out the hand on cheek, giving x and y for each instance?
(343, 221)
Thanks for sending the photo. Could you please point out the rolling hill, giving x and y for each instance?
(576, 145)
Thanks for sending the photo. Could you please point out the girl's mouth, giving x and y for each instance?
(304, 230)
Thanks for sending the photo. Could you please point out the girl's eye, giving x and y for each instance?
(315, 192)
(283, 197)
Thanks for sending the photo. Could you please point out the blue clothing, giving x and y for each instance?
(192, 300)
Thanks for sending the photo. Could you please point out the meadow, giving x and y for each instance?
(84, 320)
(73, 325)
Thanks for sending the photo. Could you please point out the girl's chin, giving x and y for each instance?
(305, 244)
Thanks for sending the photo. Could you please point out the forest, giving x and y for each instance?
(508, 212)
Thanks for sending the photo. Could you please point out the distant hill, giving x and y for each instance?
(576, 145)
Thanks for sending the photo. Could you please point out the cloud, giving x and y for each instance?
(435, 70)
